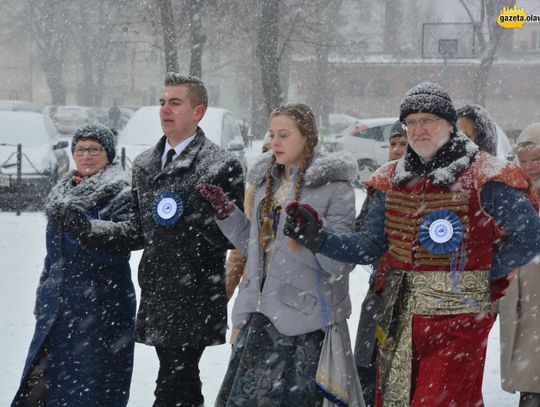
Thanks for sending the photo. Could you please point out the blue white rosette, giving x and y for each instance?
(167, 208)
(441, 232)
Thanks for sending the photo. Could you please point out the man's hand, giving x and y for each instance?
(304, 225)
(75, 221)
(217, 198)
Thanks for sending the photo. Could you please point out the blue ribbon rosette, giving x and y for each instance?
(441, 232)
(167, 208)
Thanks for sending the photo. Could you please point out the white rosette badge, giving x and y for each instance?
(167, 208)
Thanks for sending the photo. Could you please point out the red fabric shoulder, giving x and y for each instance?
(489, 168)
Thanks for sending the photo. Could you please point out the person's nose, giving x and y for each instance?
(165, 109)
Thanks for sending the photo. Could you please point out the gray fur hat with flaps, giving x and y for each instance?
(486, 131)
(102, 134)
(428, 97)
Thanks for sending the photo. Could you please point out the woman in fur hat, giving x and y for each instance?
(288, 295)
(437, 221)
(82, 350)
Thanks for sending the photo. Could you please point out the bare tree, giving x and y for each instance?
(48, 23)
(97, 31)
(196, 35)
(267, 53)
(169, 35)
(320, 96)
(488, 44)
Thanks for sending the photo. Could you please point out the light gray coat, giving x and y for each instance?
(519, 312)
(296, 281)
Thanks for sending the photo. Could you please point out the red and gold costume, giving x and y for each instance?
(435, 323)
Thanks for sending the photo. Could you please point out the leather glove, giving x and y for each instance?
(217, 199)
(75, 221)
(304, 224)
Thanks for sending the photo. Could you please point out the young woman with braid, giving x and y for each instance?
(288, 294)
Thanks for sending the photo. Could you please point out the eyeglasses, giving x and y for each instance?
(411, 124)
(93, 151)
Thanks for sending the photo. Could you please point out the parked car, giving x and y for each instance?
(339, 122)
(368, 142)
(19, 105)
(69, 118)
(49, 110)
(42, 160)
(143, 131)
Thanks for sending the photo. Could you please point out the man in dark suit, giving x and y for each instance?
(183, 305)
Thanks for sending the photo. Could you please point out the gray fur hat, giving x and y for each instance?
(102, 134)
(428, 97)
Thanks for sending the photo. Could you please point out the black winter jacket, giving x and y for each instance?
(181, 273)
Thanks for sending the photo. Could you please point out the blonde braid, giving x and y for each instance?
(265, 232)
(309, 150)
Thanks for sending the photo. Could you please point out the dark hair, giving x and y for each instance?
(197, 91)
(305, 121)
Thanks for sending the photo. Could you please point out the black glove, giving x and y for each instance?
(301, 225)
(75, 221)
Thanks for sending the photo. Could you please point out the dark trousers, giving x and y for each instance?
(178, 382)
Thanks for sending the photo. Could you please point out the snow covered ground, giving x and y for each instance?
(22, 249)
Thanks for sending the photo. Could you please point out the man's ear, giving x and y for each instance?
(199, 112)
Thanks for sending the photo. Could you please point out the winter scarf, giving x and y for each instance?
(97, 189)
(451, 159)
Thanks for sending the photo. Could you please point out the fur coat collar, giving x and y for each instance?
(92, 191)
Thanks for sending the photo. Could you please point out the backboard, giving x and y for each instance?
(448, 40)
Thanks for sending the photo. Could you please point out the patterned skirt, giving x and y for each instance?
(270, 369)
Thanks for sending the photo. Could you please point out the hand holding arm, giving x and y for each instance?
(73, 220)
(304, 225)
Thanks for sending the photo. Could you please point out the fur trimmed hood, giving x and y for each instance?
(97, 189)
(325, 167)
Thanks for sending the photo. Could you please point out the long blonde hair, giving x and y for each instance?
(305, 121)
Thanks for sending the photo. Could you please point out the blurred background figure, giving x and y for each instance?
(519, 310)
(365, 349)
(477, 124)
(398, 142)
(114, 116)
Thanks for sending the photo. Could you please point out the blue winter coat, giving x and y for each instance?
(85, 303)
